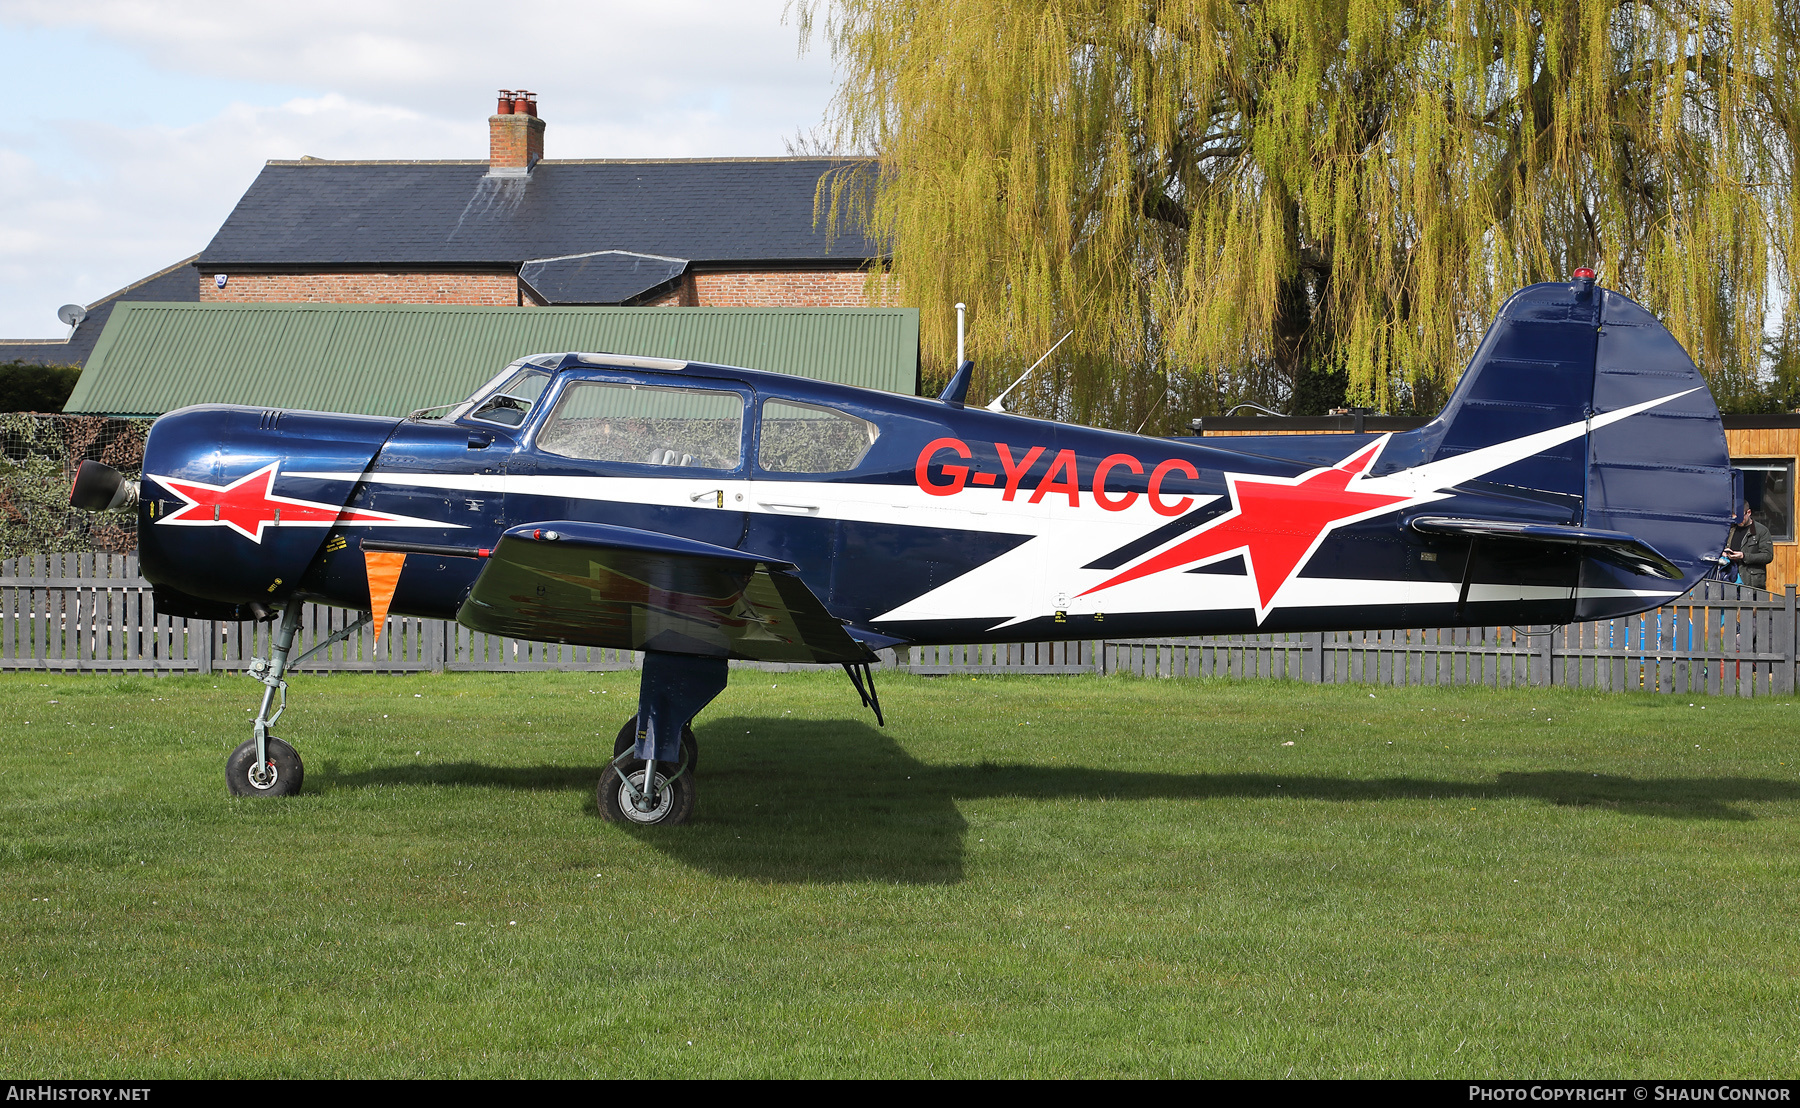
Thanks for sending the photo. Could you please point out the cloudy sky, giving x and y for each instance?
(131, 127)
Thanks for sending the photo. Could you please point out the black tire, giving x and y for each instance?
(284, 761)
(690, 748)
(677, 797)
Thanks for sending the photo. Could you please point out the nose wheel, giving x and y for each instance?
(266, 766)
(279, 774)
(663, 799)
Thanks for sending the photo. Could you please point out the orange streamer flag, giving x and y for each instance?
(384, 577)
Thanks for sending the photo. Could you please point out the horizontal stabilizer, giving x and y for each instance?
(593, 584)
(1614, 547)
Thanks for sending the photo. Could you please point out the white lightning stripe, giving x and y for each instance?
(1027, 580)
(461, 482)
(973, 509)
(1450, 472)
(1218, 593)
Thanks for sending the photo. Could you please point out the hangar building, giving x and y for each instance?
(389, 359)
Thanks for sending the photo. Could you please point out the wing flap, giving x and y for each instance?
(598, 585)
(1614, 547)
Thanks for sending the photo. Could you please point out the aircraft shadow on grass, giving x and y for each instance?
(823, 801)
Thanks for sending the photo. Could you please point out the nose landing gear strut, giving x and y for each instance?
(265, 765)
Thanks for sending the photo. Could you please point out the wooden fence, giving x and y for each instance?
(92, 612)
(1725, 639)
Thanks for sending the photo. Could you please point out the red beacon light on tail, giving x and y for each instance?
(1584, 274)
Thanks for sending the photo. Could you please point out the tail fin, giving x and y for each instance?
(1560, 354)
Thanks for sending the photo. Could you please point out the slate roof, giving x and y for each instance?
(180, 284)
(727, 210)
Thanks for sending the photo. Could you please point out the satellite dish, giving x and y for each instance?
(72, 314)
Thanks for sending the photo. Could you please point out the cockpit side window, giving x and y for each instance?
(512, 402)
(807, 438)
(605, 422)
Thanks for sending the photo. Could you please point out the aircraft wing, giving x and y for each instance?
(1614, 547)
(598, 585)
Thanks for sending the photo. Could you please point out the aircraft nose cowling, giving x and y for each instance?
(236, 502)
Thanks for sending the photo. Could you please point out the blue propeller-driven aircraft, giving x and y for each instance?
(700, 513)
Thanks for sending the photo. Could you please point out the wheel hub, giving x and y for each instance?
(262, 778)
(635, 800)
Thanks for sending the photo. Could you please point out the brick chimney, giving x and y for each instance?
(515, 135)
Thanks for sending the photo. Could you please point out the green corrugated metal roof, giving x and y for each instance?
(388, 359)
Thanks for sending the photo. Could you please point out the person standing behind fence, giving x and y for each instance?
(1751, 549)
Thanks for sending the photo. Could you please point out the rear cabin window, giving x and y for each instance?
(803, 438)
(603, 422)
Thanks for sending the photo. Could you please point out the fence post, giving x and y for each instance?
(207, 634)
(1784, 635)
(1312, 657)
(432, 657)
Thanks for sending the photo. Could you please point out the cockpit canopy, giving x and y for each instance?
(692, 427)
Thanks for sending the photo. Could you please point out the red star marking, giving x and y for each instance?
(248, 505)
(1276, 522)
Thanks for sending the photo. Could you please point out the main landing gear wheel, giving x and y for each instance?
(674, 798)
(279, 776)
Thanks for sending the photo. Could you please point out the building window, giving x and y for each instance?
(1769, 490)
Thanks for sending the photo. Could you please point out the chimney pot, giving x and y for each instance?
(515, 135)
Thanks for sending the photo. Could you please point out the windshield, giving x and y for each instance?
(509, 404)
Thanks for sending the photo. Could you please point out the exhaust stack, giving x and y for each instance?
(101, 488)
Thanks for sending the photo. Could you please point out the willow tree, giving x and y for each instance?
(1293, 201)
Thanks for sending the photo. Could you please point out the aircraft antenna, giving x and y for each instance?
(1153, 407)
(960, 309)
(1258, 407)
(994, 404)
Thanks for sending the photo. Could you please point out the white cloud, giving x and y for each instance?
(151, 195)
(622, 62)
(180, 103)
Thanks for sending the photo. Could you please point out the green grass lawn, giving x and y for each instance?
(1018, 876)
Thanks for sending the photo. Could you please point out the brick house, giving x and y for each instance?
(521, 229)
